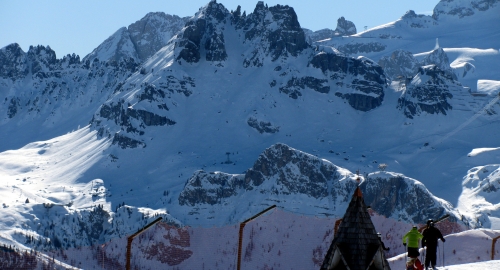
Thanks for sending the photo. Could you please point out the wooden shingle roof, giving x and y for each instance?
(356, 241)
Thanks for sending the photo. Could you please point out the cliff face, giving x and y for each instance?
(139, 40)
(345, 27)
(399, 65)
(39, 88)
(269, 40)
(282, 175)
(430, 91)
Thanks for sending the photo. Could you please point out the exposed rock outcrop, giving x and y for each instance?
(429, 92)
(461, 8)
(418, 20)
(57, 83)
(283, 172)
(367, 79)
(204, 30)
(318, 35)
(401, 198)
(13, 62)
(140, 40)
(153, 32)
(279, 169)
(294, 87)
(357, 48)
(118, 46)
(439, 58)
(401, 64)
(262, 126)
(345, 27)
(274, 30)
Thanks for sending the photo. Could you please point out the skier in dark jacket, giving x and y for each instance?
(430, 240)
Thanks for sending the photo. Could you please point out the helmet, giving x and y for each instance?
(378, 234)
(429, 222)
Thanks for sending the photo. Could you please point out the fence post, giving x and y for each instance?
(240, 241)
(493, 247)
(130, 238)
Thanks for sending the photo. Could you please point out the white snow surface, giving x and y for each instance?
(489, 87)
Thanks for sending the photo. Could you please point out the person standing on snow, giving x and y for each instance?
(430, 240)
(413, 237)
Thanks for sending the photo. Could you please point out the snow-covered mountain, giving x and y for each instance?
(303, 183)
(344, 28)
(43, 97)
(139, 40)
(209, 119)
(465, 30)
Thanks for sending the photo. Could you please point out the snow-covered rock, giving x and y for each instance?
(400, 65)
(429, 92)
(153, 32)
(37, 90)
(345, 27)
(139, 40)
(439, 58)
(479, 200)
(447, 9)
(118, 46)
(313, 36)
(283, 175)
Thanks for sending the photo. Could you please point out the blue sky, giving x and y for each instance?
(78, 26)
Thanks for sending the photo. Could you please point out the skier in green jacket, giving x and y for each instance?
(413, 237)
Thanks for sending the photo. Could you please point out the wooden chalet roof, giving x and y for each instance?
(356, 240)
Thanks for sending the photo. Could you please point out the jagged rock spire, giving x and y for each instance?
(345, 27)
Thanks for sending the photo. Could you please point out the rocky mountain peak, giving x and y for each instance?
(273, 31)
(345, 27)
(461, 8)
(417, 20)
(140, 40)
(400, 64)
(282, 174)
(409, 14)
(215, 11)
(439, 58)
(118, 46)
(153, 32)
(429, 92)
(280, 169)
(13, 62)
(205, 29)
(260, 9)
(282, 161)
(276, 30)
(41, 58)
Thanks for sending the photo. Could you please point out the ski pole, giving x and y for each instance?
(438, 251)
(443, 255)
(425, 254)
(406, 255)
